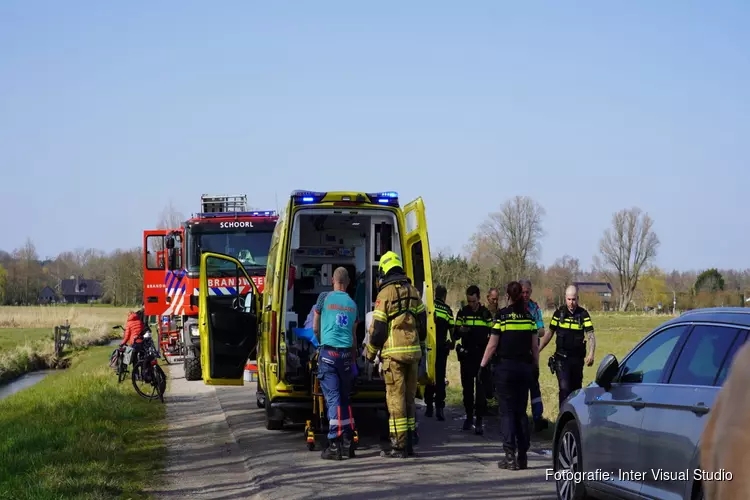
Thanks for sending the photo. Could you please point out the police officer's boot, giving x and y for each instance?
(428, 411)
(509, 462)
(333, 451)
(440, 415)
(468, 421)
(479, 427)
(523, 461)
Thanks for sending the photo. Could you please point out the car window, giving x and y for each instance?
(703, 354)
(730, 357)
(647, 363)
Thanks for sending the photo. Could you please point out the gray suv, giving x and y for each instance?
(635, 431)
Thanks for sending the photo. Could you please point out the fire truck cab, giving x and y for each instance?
(172, 263)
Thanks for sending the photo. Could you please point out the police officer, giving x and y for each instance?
(473, 322)
(574, 330)
(515, 347)
(537, 406)
(399, 332)
(444, 323)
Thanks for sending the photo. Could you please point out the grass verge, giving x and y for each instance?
(80, 434)
(616, 333)
(25, 347)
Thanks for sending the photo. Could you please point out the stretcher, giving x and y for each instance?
(315, 424)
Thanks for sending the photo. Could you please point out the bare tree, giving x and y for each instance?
(513, 235)
(627, 248)
(561, 274)
(170, 217)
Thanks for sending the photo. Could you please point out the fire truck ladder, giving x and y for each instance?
(223, 203)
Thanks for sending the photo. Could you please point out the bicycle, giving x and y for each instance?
(117, 360)
(146, 369)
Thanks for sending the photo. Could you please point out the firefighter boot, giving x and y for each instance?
(479, 427)
(440, 415)
(509, 462)
(410, 442)
(394, 452)
(333, 451)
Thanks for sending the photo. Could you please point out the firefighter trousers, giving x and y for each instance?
(400, 391)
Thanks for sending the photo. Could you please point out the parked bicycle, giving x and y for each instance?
(117, 360)
(148, 378)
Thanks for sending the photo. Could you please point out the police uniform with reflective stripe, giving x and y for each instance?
(570, 329)
(470, 352)
(513, 376)
(444, 323)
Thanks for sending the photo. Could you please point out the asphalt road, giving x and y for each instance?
(218, 448)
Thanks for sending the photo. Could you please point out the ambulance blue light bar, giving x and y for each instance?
(385, 198)
(300, 196)
(258, 213)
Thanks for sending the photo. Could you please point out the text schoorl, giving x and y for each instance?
(236, 224)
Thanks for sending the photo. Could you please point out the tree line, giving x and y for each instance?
(507, 244)
(505, 247)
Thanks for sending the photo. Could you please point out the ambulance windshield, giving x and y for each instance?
(249, 247)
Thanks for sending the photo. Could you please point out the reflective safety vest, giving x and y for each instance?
(571, 329)
(479, 323)
(399, 323)
(517, 333)
(444, 323)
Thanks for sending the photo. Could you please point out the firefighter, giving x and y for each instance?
(444, 323)
(399, 332)
(537, 407)
(574, 330)
(473, 322)
(515, 347)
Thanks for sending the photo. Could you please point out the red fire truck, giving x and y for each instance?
(172, 265)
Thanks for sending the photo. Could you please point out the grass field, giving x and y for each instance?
(26, 334)
(80, 434)
(616, 333)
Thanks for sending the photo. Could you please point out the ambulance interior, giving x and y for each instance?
(323, 240)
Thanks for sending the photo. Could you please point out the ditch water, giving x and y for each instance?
(22, 382)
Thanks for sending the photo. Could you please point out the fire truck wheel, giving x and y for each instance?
(193, 369)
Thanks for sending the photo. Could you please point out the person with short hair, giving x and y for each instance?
(444, 322)
(493, 301)
(537, 406)
(473, 323)
(334, 325)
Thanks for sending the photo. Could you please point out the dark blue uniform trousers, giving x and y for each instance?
(513, 379)
(335, 375)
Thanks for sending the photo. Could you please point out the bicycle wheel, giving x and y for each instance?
(122, 369)
(137, 370)
(160, 381)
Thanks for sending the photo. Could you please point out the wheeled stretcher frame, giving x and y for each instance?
(315, 424)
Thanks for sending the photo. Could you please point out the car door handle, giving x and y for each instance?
(700, 408)
(637, 403)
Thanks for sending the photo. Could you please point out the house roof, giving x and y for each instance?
(81, 288)
(594, 286)
(48, 292)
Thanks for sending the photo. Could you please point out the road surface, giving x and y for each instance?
(218, 448)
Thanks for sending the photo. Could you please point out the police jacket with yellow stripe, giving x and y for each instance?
(444, 324)
(570, 329)
(517, 331)
(399, 321)
(478, 323)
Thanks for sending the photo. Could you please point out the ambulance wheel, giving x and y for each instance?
(272, 425)
(193, 369)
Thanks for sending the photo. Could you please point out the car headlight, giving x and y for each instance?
(194, 331)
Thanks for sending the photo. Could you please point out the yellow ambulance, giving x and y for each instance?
(318, 232)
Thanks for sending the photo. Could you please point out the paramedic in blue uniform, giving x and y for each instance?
(514, 345)
(537, 407)
(334, 325)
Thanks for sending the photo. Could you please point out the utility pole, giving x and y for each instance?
(674, 302)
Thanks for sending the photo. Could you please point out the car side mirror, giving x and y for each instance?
(606, 372)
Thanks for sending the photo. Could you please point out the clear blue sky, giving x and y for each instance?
(110, 109)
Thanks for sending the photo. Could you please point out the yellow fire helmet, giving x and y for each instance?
(388, 261)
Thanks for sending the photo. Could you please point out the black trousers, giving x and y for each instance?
(513, 380)
(435, 393)
(569, 375)
(472, 387)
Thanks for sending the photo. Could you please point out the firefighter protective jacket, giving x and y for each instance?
(399, 321)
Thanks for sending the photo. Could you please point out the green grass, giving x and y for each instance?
(11, 337)
(616, 333)
(80, 434)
